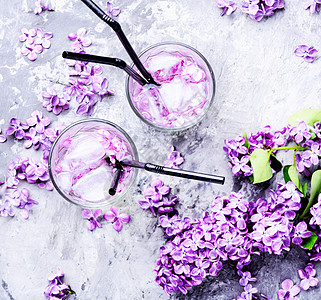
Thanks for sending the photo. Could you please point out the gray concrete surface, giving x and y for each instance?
(259, 81)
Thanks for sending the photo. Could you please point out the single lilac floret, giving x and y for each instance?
(174, 159)
(308, 53)
(313, 5)
(111, 10)
(289, 291)
(307, 276)
(92, 218)
(116, 218)
(228, 7)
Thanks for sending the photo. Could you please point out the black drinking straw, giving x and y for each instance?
(107, 61)
(173, 172)
(113, 187)
(117, 28)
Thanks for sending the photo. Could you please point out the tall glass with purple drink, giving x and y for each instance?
(186, 91)
(82, 162)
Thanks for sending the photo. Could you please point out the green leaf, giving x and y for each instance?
(290, 173)
(309, 116)
(315, 191)
(304, 189)
(309, 242)
(275, 163)
(262, 170)
(246, 144)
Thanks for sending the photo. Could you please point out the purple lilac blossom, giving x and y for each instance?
(246, 277)
(307, 276)
(196, 248)
(17, 128)
(111, 10)
(174, 159)
(38, 121)
(35, 40)
(315, 211)
(313, 5)
(57, 289)
(92, 218)
(43, 38)
(80, 40)
(3, 138)
(39, 7)
(116, 218)
(289, 291)
(258, 9)
(300, 232)
(308, 53)
(156, 198)
(227, 6)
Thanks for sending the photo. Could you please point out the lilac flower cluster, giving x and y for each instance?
(196, 248)
(112, 216)
(258, 9)
(315, 225)
(35, 40)
(174, 159)
(39, 7)
(315, 212)
(36, 134)
(274, 228)
(234, 229)
(57, 289)
(157, 198)
(308, 53)
(85, 82)
(306, 141)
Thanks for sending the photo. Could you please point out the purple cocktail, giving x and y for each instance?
(82, 162)
(186, 88)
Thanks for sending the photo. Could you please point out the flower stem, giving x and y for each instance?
(289, 147)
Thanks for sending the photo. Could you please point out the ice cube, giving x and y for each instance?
(85, 148)
(64, 181)
(94, 186)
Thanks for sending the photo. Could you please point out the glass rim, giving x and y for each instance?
(117, 127)
(197, 120)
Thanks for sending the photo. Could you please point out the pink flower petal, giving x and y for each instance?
(86, 42)
(97, 213)
(118, 225)
(124, 218)
(287, 284)
(46, 44)
(25, 51)
(81, 32)
(72, 36)
(86, 213)
(295, 290)
(109, 216)
(114, 210)
(25, 214)
(32, 56)
(90, 225)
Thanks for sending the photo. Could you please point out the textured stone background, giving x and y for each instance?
(259, 82)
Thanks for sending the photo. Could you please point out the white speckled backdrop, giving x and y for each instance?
(259, 81)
